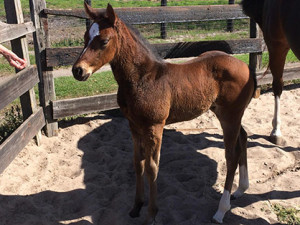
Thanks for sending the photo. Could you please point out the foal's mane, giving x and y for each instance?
(143, 42)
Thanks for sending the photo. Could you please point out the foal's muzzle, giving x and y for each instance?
(80, 73)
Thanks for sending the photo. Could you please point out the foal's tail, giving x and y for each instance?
(256, 92)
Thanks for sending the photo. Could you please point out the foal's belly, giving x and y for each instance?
(186, 112)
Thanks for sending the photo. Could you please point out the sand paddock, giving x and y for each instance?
(85, 175)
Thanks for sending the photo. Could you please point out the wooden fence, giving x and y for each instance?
(19, 85)
(149, 15)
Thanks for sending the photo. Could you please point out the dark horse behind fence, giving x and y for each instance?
(280, 24)
(153, 93)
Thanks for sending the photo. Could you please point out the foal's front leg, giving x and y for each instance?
(147, 154)
(139, 165)
(152, 141)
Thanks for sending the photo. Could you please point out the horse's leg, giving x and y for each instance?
(139, 165)
(243, 166)
(277, 60)
(233, 151)
(152, 140)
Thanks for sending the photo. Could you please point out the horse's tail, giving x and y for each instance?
(254, 9)
(256, 92)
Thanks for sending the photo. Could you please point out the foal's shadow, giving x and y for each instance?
(185, 184)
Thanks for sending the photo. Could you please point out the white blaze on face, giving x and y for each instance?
(93, 32)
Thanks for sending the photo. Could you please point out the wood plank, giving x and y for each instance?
(17, 85)
(166, 14)
(20, 138)
(10, 32)
(79, 106)
(290, 73)
(67, 56)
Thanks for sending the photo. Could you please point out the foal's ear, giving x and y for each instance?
(111, 15)
(91, 12)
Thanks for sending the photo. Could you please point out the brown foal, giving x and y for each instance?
(153, 93)
(280, 24)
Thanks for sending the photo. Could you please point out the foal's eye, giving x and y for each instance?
(104, 42)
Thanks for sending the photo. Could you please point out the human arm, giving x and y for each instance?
(12, 58)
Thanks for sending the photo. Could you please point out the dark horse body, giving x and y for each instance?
(279, 21)
(153, 93)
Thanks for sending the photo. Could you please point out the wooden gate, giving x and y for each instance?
(19, 85)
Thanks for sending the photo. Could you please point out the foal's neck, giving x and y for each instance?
(133, 59)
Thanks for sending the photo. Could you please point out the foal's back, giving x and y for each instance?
(214, 79)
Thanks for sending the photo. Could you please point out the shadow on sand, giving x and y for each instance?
(185, 183)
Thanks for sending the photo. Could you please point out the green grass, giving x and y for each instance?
(69, 42)
(12, 119)
(68, 87)
(291, 58)
(285, 215)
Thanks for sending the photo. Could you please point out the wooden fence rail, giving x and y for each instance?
(67, 56)
(13, 31)
(166, 14)
(17, 85)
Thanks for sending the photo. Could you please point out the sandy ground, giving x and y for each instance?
(85, 175)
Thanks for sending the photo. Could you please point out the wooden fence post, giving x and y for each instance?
(255, 59)
(14, 15)
(88, 21)
(163, 30)
(46, 85)
(230, 22)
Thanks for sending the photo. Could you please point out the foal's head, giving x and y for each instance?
(100, 43)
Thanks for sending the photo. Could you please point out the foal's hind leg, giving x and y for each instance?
(243, 166)
(233, 137)
(277, 57)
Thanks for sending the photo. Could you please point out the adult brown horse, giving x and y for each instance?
(279, 21)
(153, 93)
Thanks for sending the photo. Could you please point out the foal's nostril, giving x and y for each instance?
(77, 71)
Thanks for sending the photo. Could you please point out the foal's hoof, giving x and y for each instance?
(134, 213)
(277, 140)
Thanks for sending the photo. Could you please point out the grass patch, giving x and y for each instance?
(286, 215)
(68, 42)
(99, 83)
(12, 119)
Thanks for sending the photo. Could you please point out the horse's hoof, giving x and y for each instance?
(277, 140)
(134, 213)
(217, 221)
(257, 93)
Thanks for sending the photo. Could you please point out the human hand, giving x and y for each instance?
(12, 58)
(15, 61)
